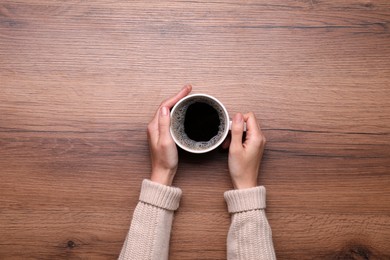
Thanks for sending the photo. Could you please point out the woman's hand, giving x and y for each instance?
(245, 158)
(162, 147)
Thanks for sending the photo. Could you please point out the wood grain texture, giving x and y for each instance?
(79, 81)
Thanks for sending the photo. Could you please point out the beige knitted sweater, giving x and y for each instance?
(249, 235)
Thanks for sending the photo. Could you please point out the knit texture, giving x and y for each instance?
(150, 229)
(250, 235)
(246, 199)
(159, 195)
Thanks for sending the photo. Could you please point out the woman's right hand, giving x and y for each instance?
(245, 157)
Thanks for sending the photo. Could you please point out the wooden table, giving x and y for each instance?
(80, 80)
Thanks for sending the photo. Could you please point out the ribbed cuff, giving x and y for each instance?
(245, 199)
(160, 195)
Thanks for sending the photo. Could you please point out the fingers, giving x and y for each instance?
(163, 124)
(251, 122)
(253, 134)
(173, 100)
(237, 132)
(153, 131)
(252, 126)
(170, 102)
(153, 127)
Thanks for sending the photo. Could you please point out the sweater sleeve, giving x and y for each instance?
(149, 234)
(249, 236)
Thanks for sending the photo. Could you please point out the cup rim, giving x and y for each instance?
(224, 134)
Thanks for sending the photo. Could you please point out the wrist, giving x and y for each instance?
(244, 184)
(164, 177)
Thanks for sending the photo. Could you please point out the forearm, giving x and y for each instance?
(250, 235)
(149, 234)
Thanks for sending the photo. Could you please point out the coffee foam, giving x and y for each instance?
(178, 124)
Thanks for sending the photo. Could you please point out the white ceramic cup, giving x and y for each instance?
(178, 116)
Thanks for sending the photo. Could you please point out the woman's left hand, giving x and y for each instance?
(162, 147)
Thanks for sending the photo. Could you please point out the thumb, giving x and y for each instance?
(237, 131)
(164, 123)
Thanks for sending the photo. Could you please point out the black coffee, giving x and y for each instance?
(201, 122)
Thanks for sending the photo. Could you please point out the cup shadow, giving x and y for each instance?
(199, 158)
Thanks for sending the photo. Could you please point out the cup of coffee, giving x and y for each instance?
(199, 123)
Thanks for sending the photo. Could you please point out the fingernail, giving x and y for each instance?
(188, 86)
(238, 118)
(164, 111)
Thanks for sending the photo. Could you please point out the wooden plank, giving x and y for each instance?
(79, 81)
